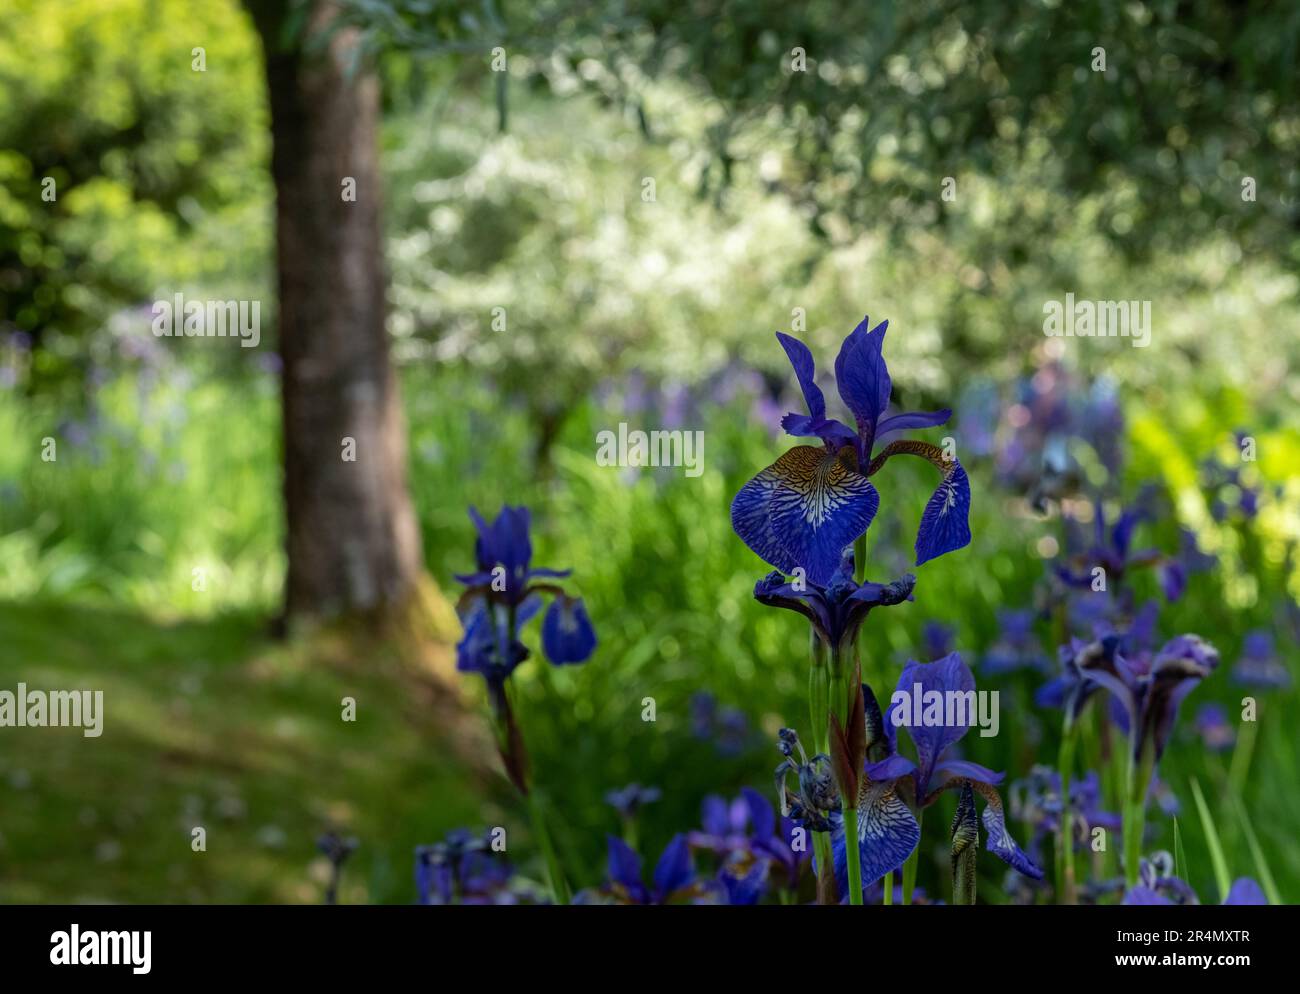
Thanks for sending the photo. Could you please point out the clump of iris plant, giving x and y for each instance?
(752, 846)
(1103, 569)
(502, 595)
(807, 516)
(463, 869)
(892, 791)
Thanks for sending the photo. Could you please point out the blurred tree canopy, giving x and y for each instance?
(144, 154)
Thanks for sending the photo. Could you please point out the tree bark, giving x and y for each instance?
(353, 542)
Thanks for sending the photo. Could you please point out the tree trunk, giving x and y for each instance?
(352, 538)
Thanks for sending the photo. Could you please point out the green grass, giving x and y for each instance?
(209, 724)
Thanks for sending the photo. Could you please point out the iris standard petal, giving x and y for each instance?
(674, 870)
(624, 867)
(943, 677)
(862, 378)
(803, 510)
(762, 818)
(805, 370)
(912, 420)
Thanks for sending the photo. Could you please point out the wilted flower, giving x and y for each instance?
(807, 507)
(336, 848)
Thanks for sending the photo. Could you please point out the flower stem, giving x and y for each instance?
(854, 855)
(1140, 768)
(860, 558)
(910, 867)
(889, 888)
(1065, 892)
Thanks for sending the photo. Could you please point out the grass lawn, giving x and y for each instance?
(211, 723)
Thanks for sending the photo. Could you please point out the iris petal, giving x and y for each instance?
(805, 371)
(625, 867)
(1000, 842)
(674, 870)
(803, 510)
(567, 635)
(945, 525)
(945, 675)
(863, 378)
(1245, 891)
(913, 419)
(887, 834)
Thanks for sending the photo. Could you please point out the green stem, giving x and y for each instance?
(854, 855)
(1242, 755)
(860, 558)
(910, 867)
(1065, 893)
(889, 888)
(1135, 811)
(559, 886)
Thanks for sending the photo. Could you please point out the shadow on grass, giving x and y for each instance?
(211, 724)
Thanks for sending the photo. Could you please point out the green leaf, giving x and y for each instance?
(1221, 875)
(1256, 852)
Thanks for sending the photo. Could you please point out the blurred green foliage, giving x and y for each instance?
(156, 168)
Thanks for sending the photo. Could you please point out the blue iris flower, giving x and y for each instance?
(1158, 885)
(747, 833)
(1212, 726)
(1147, 686)
(807, 507)
(629, 800)
(1259, 665)
(1036, 801)
(505, 593)
(938, 768)
(1114, 553)
(462, 869)
(674, 880)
